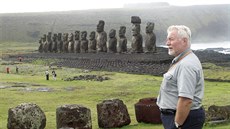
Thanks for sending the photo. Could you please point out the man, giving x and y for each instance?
(182, 88)
(47, 74)
(54, 75)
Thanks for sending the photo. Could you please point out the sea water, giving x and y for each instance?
(222, 47)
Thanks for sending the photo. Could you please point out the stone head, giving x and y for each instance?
(70, 37)
(49, 36)
(122, 31)
(77, 35)
(54, 37)
(136, 28)
(112, 33)
(100, 26)
(149, 27)
(83, 35)
(92, 35)
(59, 36)
(44, 37)
(65, 36)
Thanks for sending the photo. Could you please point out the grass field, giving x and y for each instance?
(23, 87)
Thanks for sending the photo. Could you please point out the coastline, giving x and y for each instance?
(220, 47)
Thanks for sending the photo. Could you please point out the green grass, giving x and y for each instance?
(12, 48)
(214, 72)
(127, 87)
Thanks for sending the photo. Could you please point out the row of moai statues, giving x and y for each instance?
(67, 42)
(137, 39)
(78, 42)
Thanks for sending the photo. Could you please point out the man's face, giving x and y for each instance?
(176, 44)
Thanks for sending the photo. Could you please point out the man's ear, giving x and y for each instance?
(185, 41)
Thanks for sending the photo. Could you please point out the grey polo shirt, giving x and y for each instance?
(184, 79)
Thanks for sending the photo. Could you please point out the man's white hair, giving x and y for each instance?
(182, 30)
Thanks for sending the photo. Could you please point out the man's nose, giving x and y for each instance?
(167, 42)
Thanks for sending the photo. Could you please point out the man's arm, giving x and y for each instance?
(183, 109)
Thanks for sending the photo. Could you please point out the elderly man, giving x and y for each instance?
(182, 88)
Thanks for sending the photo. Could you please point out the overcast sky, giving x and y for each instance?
(19, 6)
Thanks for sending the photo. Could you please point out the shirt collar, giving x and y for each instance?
(180, 55)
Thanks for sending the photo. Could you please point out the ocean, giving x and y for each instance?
(222, 47)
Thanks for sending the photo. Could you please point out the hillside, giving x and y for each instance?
(209, 23)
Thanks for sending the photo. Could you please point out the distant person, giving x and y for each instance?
(47, 74)
(20, 59)
(17, 69)
(7, 70)
(182, 88)
(54, 75)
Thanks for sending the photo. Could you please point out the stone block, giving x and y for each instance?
(147, 111)
(73, 116)
(112, 114)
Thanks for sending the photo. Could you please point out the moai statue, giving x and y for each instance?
(101, 37)
(45, 43)
(92, 42)
(59, 43)
(65, 42)
(70, 43)
(49, 41)
(40, 48)
(112, 41)
(77, 42)
(122, 46)
(150, 38)
(137, 39)
(84, 42)
(54, 43)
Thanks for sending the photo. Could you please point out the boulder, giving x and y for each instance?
(26, 116)
(112, 114)
(73, 117)
(215, 113)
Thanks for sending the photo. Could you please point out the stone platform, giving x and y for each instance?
(137, 63)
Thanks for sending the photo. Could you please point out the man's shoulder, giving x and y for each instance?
(191, 61)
